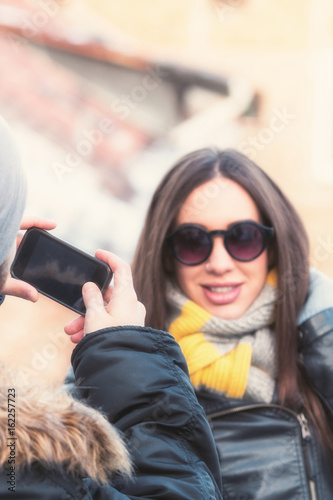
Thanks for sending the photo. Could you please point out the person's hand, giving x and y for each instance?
(19, 288)
(118, 307)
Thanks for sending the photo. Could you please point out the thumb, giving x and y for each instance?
(92, 297)
(93, 300)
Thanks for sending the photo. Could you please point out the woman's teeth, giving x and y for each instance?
(220, 289)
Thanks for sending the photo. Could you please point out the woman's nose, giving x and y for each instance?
(219, 261)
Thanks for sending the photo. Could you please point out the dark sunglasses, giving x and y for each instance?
(244, 241)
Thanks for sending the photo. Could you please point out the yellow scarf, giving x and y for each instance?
(233, 357)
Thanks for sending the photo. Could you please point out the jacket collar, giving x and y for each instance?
(320, 296)
(55, 430)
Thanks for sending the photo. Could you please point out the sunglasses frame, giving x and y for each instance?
(267, 233)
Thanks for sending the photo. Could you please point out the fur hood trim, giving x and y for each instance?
(57, 431)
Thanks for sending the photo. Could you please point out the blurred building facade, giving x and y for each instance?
(104, 96)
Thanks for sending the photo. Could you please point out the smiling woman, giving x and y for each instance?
(222, 285)
(222, 264)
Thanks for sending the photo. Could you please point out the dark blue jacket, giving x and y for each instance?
(138, 378)
(268, 452)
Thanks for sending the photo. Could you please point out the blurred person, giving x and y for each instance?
(138, 432)
(223, 265)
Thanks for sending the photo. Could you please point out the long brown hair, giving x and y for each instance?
(288, 254)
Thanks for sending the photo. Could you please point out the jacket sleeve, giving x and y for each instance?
(138, 378)
(317, 353)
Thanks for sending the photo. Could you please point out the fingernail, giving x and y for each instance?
(88, 287)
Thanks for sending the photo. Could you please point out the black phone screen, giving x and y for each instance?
(57, 269)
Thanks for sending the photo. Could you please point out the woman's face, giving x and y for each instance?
(221, 285)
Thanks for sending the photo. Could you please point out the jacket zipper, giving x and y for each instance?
(306, 436)
(304, 426)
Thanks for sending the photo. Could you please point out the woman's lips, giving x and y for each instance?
(222, 294)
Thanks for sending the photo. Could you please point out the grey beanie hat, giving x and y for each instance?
(12, 190)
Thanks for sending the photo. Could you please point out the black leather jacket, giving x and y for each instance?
(268, 452)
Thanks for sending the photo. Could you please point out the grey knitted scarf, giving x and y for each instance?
(254, 328)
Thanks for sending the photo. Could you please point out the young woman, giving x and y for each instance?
(223, 265)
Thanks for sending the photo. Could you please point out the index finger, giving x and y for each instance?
(121, 270)
(37, 222)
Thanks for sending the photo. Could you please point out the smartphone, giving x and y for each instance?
(57, 269)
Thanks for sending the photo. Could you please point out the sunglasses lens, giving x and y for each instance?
(245, 242)
(191, 245)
